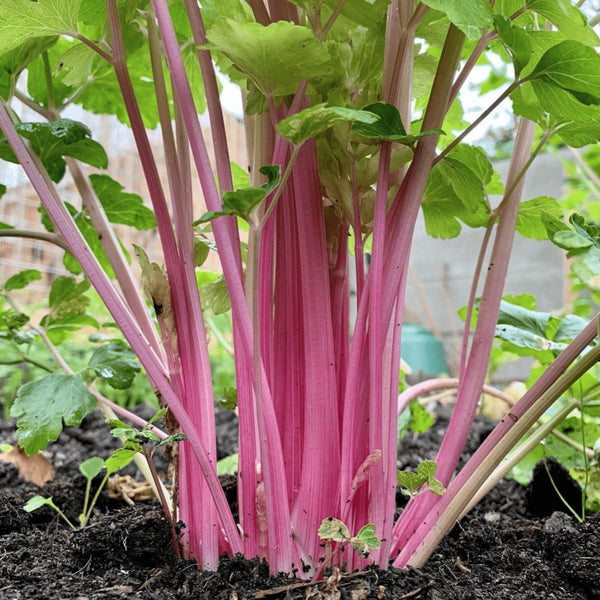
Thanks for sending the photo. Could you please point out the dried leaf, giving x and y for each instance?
(36, 468)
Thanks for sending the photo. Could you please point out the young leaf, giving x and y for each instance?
(367, 535)
(530, 222)
(228, 465)
(516, 40)
(67, 297)
(119, 459)
(315, 120)
(37, 502)
(388, 126)
(276, 57)
(115, 363)
(470, 16)
(22, 279)
(121, 207)
(410, 481)
(42, 406)
(91, 467)
(333, 529)
(21, 20)
(215, 296)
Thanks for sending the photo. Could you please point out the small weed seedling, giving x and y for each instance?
(89, 468)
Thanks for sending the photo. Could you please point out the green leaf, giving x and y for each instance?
(516, 40)
(314, 121)
(91, 467)
(568, 19)
(116, 364)
(367, 535)
(572, 66)
(67, 297)
(21, 20)
(242, 202)
(523, 318)
(215, 296)
(76, 64)
(201, 251)
(387, 127)
(276, 57)
(42, 407)
(60, 330)
(228, 465)
(119, 459)
(54, 140)
(410, 481)
(22, 279)
(121, 207)
(570, 326)
(333, 529)
(530, 222)
(470, 16)
(37, 502)
(230, 399)
(239, 176)
(427, 469)
(16, 60)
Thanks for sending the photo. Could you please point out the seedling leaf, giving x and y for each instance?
(37, 502)
(91, 467)
(333, 529)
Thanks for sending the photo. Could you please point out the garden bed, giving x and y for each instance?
(502, 550)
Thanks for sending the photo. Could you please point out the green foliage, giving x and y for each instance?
(314, 121)
(243, 202)
(115, 363)
(53, 141)
(42, 406)
(21, 20)
(414, 418)
(121, 207)
(275, 58)
(22, 279)
(336, 531)
(470, 16)
(412, 482)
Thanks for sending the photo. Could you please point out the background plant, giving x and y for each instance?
(354, 124)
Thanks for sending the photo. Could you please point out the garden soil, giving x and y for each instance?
(518, 544)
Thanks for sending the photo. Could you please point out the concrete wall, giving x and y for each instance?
(441, 270)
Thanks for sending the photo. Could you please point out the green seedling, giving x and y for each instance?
(90, 469)
(334, 530)
(411, 482)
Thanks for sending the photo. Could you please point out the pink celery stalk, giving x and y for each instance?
(120, 312)
(470, 386)
(377, 436)
(317, 497)
(280, 552)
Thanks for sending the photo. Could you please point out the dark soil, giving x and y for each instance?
(516, 545)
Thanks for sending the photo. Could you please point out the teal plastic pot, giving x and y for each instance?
(422, 350)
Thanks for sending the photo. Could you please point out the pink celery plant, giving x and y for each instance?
(318, 411)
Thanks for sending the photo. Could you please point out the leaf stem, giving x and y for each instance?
(52, 238)
(505, 94)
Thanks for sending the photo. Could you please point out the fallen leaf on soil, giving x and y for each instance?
(35, 468)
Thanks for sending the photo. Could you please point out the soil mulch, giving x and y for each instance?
(518, 544)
